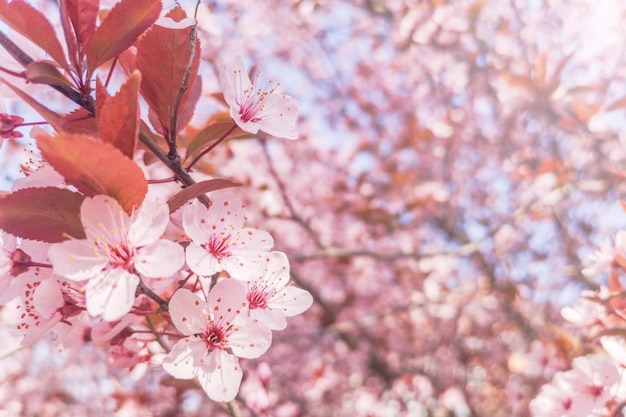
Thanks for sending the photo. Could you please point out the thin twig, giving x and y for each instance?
(212, 146)
(183, 88)
(163, 306)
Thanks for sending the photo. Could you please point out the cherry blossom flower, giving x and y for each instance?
(217, 335)
(45, 303)
(8, 123)
(118, 249)
(579, 391)
(610, 254)
(270, 297)
(220, 242)
(254, 109)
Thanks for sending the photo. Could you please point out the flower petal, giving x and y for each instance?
(149, 223)
(76, 259)
(161, 259)
(226, 300)
(249, 340)
(182, 361)
(188, 312)
(111, 294)
(222, 382)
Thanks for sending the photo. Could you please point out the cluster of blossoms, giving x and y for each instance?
(195, 278)
(596, 383)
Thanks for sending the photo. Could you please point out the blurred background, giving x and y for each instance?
(458, 161)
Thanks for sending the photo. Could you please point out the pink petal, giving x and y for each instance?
(278, 116)
(221, 383)
(250, 340)
(183, 360)
(226, 213)
(226, 300)
(200, 261)
(48, 297)
(111, 294)
(249, 239)
(195, 217)
(291, 301)
(273, 319)
(104, 219)
(149, 223)
(245, 267)
(75, 259)
(188, 312)
(162, 259)
(234, 81)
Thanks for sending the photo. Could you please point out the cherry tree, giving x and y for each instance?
(413, 202)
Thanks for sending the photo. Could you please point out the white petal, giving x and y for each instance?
(291, 301)
(222, 382)
(195, 222)
(250, 340)
(188, 312)
(274, 319)
(76, 259)
(111, 294)
(183, 360)
(149, 223)
(226, 300)
(48, 297)
(200, 261)
(104, 219)
(278, 116)
(162, 259)
(226, 213)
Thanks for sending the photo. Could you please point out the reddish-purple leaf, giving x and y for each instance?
(81, 121)
(49, 214)
(218, 126)
(162, 57)
(55, 119)
(118, 115)
(31, 23)
(78, 18)
(119, 30)
(196, 190)
(42, 72)
(94, 167)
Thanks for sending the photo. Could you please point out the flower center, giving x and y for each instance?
(217, 246)
(216, 338)
(256, 298)
(121, 256)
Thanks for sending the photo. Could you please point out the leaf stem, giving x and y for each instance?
(213, 145)
(163, 306)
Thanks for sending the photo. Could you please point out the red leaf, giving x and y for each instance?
(42, 72)
(196, 190)
(81, 121)
(162, 57)
(49, 214)
(118, 116)
(31, 23)
(94, 167)
(55, 119)
(119, 30)
(217, 126)
(78, 18)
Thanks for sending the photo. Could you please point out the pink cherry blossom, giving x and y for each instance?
(220, 242)
(217, 334)
(254, 109)
(579, 391)
(45, 303)
(270, 297)
(118, 249)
